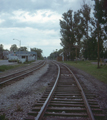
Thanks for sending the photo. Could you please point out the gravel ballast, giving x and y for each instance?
(95, 86)
(16, 100)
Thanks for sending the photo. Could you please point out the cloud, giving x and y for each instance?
(29, 5)
(40, 16)
(59, 6)
(34, 22)
(1, 21)
(45, 40)
(41, 19)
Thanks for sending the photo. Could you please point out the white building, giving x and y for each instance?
(23, 56)
(62, 55)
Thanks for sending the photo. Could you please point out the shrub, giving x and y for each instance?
(3, 117)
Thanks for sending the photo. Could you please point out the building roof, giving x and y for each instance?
(26, 52)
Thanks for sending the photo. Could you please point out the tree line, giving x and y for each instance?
(14, 49)
(83, 33)
(55, 54)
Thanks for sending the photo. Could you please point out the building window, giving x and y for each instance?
(23, 56)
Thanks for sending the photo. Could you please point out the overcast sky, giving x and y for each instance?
(34, 22)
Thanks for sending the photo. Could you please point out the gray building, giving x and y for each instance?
(26, 56)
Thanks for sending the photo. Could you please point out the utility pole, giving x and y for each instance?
(76, 46)
(98, 44)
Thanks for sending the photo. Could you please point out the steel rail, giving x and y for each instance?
(69, 102)
(16, 72)
(89, 111)
(22, 74)
(43, 108)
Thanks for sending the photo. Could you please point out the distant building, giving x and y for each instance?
(1, 55)
(23, 56)
(4, 54)
(26, 56)
(61, 57)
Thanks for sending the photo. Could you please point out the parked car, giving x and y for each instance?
(105, 60)
(12, 58)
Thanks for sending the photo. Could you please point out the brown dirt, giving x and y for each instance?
(93, 85)
(18, 98)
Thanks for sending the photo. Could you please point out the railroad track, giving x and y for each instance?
(21, 73)
(65, 99)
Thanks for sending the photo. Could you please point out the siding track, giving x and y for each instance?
(20, 74)
(65, 99)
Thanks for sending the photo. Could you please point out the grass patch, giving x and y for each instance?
(7, 67)
(92, 69)
(42, 89)
(18, 108)
(13, 60)
(3, 117)
(28, 62)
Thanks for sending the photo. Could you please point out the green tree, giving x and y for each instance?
(38, 51)
(86, 25)
(55, 54)
(72, 31)
(13, 48)
(78, 31)
(91, 47)
(85, 12)
(23, 49)
(82, 30)
(100, 14)
(67, 34)
(1, 48)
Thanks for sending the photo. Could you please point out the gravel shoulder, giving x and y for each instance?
(16, 100)
(7, 72)
(98, 88)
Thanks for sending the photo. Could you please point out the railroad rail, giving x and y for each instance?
(21, 73)
(65, 99)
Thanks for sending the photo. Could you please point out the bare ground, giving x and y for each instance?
(95, 86)
(16, 100)
(18, 103)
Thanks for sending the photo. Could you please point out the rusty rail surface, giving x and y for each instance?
(89, 111)
(21, 73)
(65, 99)
(41, 113)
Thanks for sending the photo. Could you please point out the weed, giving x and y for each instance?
(13, 60)
(7, 67)
(27, 62)
(42, 89)
(90, 68)
(3, 117)
(18, 109)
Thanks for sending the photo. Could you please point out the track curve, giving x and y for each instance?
(65, 100)
(21, 73)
